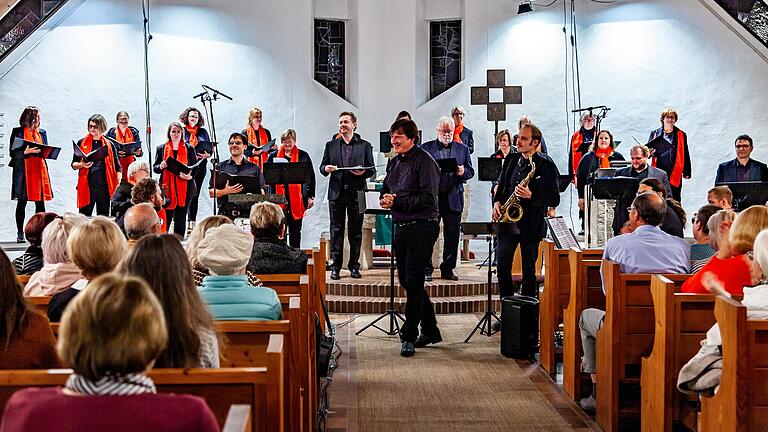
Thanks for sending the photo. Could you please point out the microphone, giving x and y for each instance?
(216, 92)
(200, 95)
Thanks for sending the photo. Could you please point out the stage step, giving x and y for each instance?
(378, 305)
(436, 288)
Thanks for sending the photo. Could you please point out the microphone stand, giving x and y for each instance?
(147, 39)
(207, 97)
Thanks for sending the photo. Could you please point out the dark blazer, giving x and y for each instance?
(362, 154)
(587, 166)
(202, 135)
(121, 199)
(468, 139)
(307, 189)
(460, 152)
(19, 185)
(665, 158)
(726, 171)
(192, 157)
(544, 193)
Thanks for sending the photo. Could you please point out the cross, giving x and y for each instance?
(497, 111)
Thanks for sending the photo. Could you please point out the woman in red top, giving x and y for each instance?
(179, 189)
(31, 181)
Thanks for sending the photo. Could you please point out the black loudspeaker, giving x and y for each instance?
(519, 326)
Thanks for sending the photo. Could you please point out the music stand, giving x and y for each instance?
(615, 188)
(747, 194)
(488, 168)
(489, 229)
(369, 204)
(286, 173)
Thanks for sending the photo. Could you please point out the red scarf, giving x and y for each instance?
(457, 133)
(36, 177)
(296, 197)
(576, 140)
(163, 217)
(83, 191)
(192, 135)
(174, 187)
(676, 177)
(258, 139)
(604, 155)
(125, 138)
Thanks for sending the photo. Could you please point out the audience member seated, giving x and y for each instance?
(674, 219)
(58, 272)
(720, 196)
(193, 241)
(702, 249)
(141, 220)
(121, 199)
(718, 238)
(25, 335)
(145, 191)
(109, 389)
(225, 251)
(32, 259)
(647, 249)
(270, 253)
(96, 247)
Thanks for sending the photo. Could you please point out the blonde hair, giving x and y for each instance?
(96, 247)
(266, 220)
(713, 225)
(501, 134)
(252, 114)
(721, 193)
(198, 234)
(288, 133)
(745, 228)
(116, 327)
(55, 237)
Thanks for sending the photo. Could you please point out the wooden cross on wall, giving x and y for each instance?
(509, 95)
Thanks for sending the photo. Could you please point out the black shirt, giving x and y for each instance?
(346, 150)
(742, 171)
(246, 168)
(414, 178)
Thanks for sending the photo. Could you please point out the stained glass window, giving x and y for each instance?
(444, 55)
(329, 55)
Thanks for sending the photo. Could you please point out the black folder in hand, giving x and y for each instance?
(654, 143)
(99, 154)
(251, 184)
(448, 165)
(46, 151)
(251, 149)
(128, 148)
(176, 167)
(205, 147)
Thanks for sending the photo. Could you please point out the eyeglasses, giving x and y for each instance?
(743, 146)
(93, 126)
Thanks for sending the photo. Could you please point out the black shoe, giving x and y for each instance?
(496, 326)
(424, 340)
(20, 237)
(355, 273)
(335, 274)
(449, 275)
(407, 349)
(428, 277)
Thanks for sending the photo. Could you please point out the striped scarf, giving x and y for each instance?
(111, 385)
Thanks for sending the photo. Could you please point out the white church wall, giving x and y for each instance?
(636, 57)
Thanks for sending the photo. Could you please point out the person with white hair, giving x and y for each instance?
(225, 251)
(58, 272)
(121, 199)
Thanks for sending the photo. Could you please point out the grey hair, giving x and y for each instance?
(524, 118)
(136, 166)
(445, 120)
(714, 223)
(55, 237)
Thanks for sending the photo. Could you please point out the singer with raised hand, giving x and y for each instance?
(179, 189)
(346, 151)
(97, 180)
(410, 192)
(31, 181)
(527, 188)
(194, 132)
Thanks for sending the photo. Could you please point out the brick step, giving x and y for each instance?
(378, 305)
(436, 288)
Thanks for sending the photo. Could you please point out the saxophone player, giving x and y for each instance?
(535, 193)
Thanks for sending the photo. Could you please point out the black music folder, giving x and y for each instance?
(205, 147)
(286, 173)
(448, 165)
(251, 184)
(128, 148)
(654, 143)
(96, 155)
(46, 151)
(176, 167)
(251, 149)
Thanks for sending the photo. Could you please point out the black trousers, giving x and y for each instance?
(179, 218)
(100, 199)
(505, 253)
(344, 210)
(294, 230)
(413, 248)
(21, 210)
(199, 178)
(451, 233)
(677, 191)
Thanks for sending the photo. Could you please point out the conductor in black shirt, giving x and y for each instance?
(346, 150)
(410, 192)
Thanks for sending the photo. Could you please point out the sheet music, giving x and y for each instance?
(561, 234)
(372, 200)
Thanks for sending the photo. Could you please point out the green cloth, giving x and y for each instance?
(383, 229)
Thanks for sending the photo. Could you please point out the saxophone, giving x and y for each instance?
(512, 211)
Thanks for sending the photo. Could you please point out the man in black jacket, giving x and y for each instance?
(535, 199)
(342, 153)
(743, 168)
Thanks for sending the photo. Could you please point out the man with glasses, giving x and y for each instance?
(640, 170)
(237, 165)
(743, 168)
(450, 193)
(121, 199)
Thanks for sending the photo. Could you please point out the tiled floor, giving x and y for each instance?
(343, 394)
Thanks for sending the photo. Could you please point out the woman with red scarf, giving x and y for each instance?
(96, 181)
(178, 189)
(599, 156)
(257, 135)
(300, 197)
(125, 134)
(671, 154)
(194, 132)
(504, 142)
(31, 181)
(461, 133)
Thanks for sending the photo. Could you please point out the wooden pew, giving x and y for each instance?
(554, 299)
(238, 419)
(682, 321)
(23, 279)
(39, 303)
(586, 291)
(626, 336)
(741, 403)
(261, 387)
